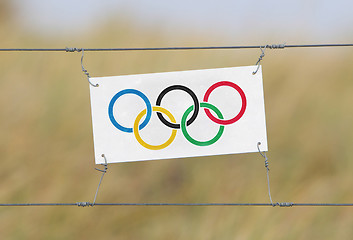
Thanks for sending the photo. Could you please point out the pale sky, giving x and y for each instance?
(314, 20)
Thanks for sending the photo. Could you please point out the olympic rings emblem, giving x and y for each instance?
(219, 119)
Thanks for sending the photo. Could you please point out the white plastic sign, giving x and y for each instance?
(178, 114)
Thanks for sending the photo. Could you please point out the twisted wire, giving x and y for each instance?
(88, 204)
(270, 46)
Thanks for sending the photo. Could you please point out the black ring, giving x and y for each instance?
(194, 98)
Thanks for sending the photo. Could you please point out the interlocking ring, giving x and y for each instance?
(243, 102)
(143, 143)
(196, 142)
(184, 122)
(121, 93)
(194, 98)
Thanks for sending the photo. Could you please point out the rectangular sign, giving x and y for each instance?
(178, 114)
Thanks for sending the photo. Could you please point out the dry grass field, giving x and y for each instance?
(46, 145)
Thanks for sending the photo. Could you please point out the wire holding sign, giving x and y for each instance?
(270, 46)
(260, 59)
(85, 71)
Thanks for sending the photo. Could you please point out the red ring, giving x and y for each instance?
(243, 102)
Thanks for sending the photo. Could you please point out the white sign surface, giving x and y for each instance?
(178, 114)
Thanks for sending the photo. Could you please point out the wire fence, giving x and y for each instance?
(271, 46)
(89, 204)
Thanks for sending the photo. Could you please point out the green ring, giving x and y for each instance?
(186, 134)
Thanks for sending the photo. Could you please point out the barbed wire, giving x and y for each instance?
(271, 46)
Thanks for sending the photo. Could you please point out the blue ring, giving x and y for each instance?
(129, 91)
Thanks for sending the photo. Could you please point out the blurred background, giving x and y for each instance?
(46, 142)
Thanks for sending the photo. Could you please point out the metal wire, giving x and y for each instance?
(35, 204)
(259, 61)
(263, 154)
(87, 204)
(272, 46)
(103, 172)
(82, 67)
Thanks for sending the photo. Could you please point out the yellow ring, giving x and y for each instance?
(143, 143)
